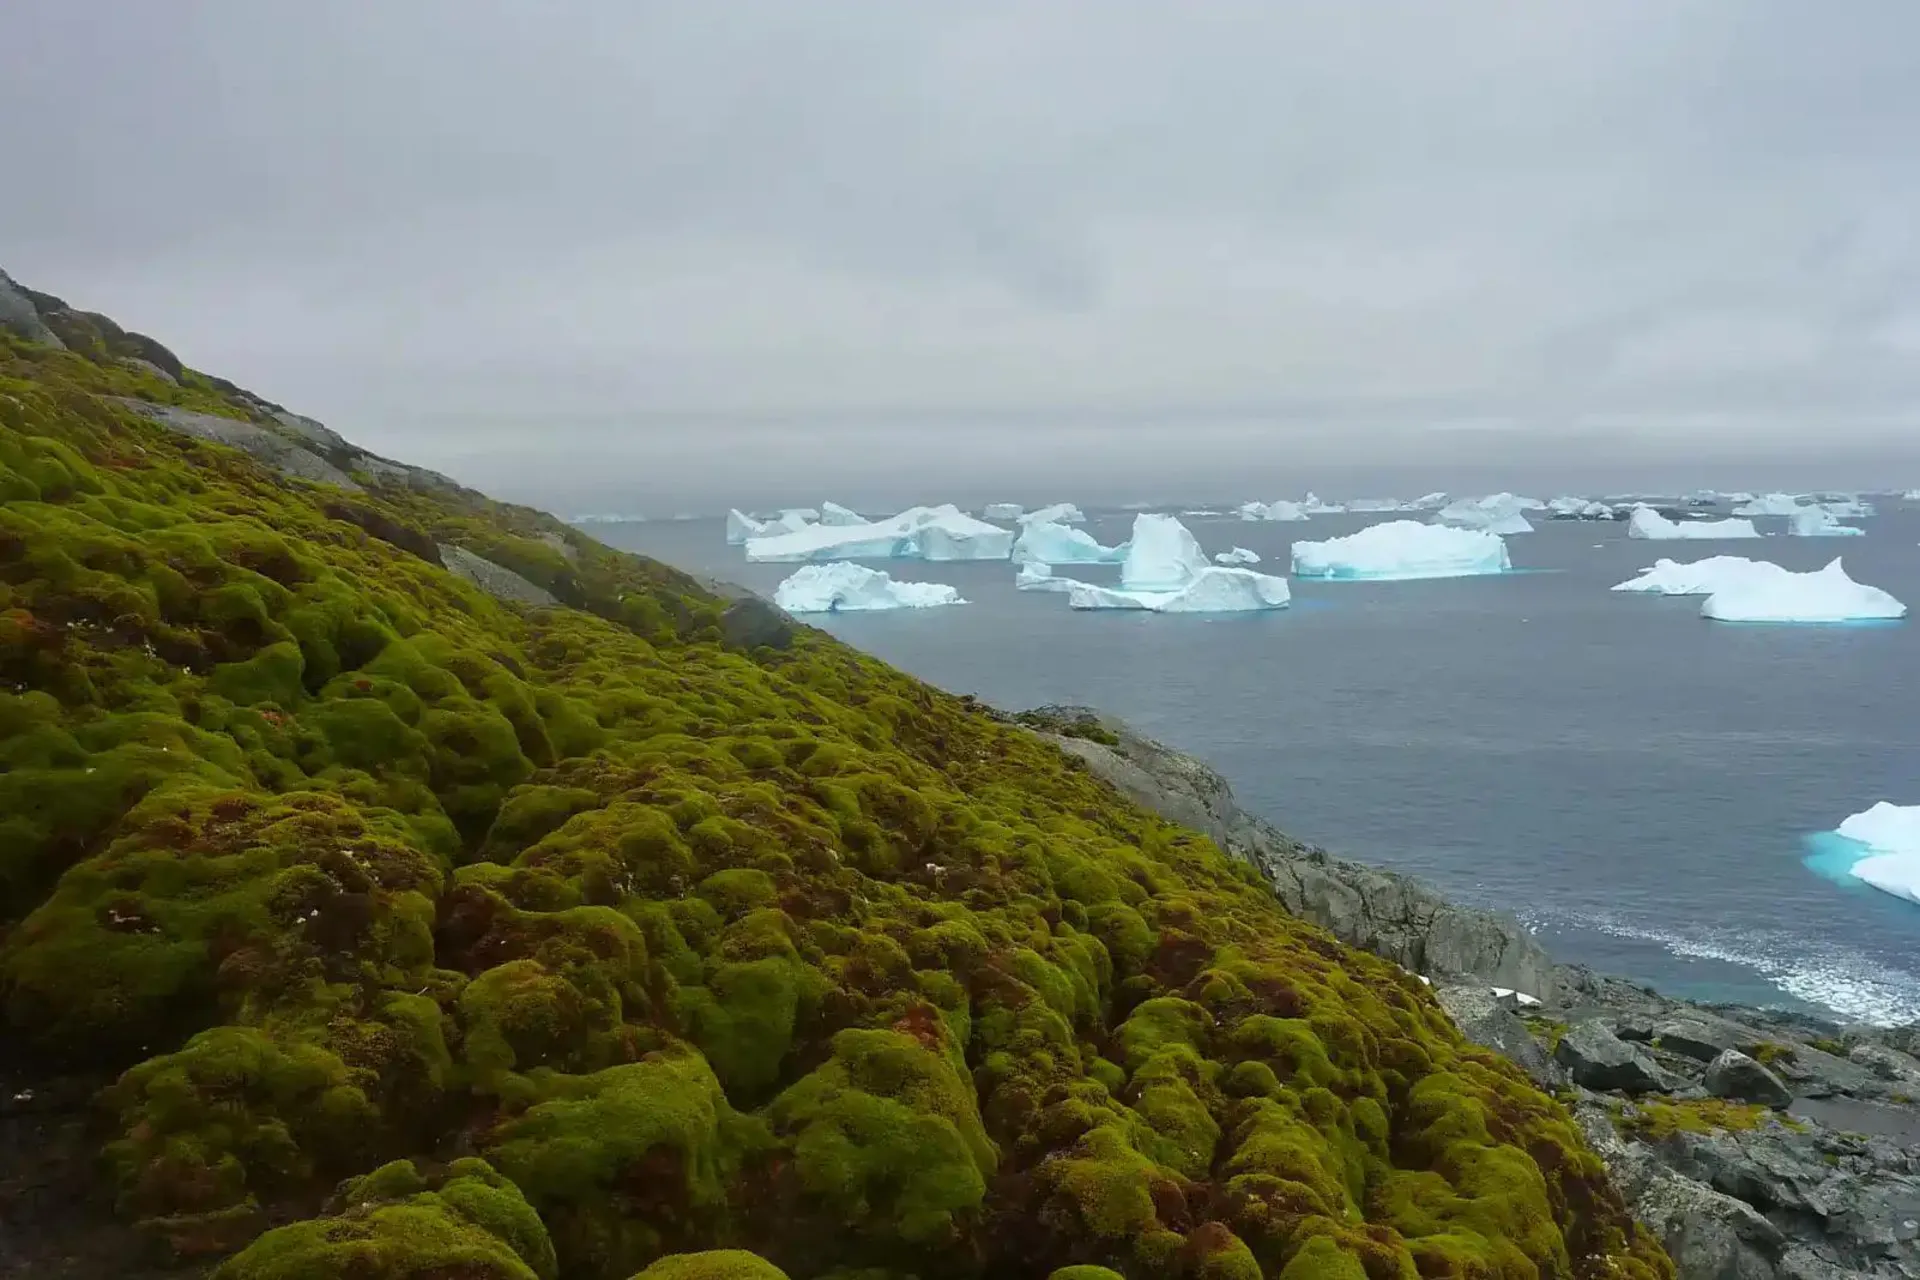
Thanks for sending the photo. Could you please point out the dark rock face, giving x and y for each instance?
(1734, 1075)
(1600, 1060)
(1487, 1021)
(20, 317)
(1389, 914)
(755, 624)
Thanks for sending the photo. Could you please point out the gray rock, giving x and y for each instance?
(1888, 1064)
(752, 623)
(20, 317)
(1734, 1075)
(265, 446)
(497, 581)
(1389, 914)
(1696, 1038)
(147, 367)
(1598, 1059)
(1490, 1022)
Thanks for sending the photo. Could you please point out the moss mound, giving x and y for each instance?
(712, 959)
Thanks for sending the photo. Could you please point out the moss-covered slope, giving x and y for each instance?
(581, 936)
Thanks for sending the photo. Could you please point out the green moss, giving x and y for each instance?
(1768, 1052)
(1652, 1120)
(715, 1264)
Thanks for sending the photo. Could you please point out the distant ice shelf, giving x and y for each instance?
(1403, 549)
(842, 587)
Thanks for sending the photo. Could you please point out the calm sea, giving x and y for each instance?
(1637, 784)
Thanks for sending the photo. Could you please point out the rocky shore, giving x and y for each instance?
(1757, 1144)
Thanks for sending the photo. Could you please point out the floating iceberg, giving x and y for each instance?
(1499, 513)
(832, 513)
(849, 588)
(1058, 513)
(1045, 542)
(1699, 578)
(1818, 522)
(741, 527)
(1825, 595)
(1162, 555)
(1312, 505)
(1212, 590)
(1403, 549)
(1034, 576)
(1001, 511)
(1911, 495)
(1847, 508)
(1428, 502)
(1272, 511)
(920, 533)
(1654, 527)
(1890, 836)
(1376, 506)
(1578, 509)
(1769, 504)
(1237, 556)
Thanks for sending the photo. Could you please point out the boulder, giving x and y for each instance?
(1490, 1022)
(497, 581)
(1734, 1075)
(1600, 1060)
(1694, 1038)
(1888, 1064)
(20, 317)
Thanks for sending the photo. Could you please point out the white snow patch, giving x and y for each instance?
(848, 588)
(1825, 595)
(1402, 549)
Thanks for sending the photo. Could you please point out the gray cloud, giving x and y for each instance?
(770, 242)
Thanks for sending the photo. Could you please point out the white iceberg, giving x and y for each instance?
(1891, 835)
(1770, 504)
(1289, 511)
(1654, 527)
(1057, 513)
(1212, 590)
(1499, 513)
(1846, 508)
(1818, 522)
(921, 533)
(741, 527)
(1312, 505)
(1376, 506)
(850, 588)
(832, 513)
(1698, 578)
(1045, 542)
(1402, 549)
(1001, 511)
(1236, 556)
(1911, 495)
(1162, 555)
(1825, 595)
(1570, 508)
(1428, 502)
(1034, 576)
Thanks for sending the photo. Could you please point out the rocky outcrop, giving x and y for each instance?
(267, 446)
(496, 580)
(1734, 1075)
(1600, 1060)
(1389, 914)
(20, 317)
(1492, 1023)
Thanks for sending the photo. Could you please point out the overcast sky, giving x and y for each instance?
(613, 246)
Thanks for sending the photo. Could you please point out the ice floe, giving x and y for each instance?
(1649, 524)
(846, 588)
(1824, 595)
(1236, 556)
(1402, 549)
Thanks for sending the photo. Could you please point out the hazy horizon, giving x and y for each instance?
(664, 256)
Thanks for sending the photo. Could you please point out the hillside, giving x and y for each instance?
(449, 896)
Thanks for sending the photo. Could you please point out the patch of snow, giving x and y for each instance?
(1818, 522)
(1162, 555)
(1045, 542)
(849, 588)
(1519, 997)
(1236, 556)
(1651, 525)
(1698, 578)
(1402, 549)
(1825, 595)
(1211, 590)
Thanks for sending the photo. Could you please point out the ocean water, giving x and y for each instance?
(1643, 787)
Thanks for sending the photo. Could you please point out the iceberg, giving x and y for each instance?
(1890, 836)
(1236, 556)
(1045, 542)
(1057, 513)
(741, 526)
(1376, 506)
(1272, 511)
(1312, 505)
(1911, 495)
(1847, 508)
(1498, 513)
(1769, 504)
(832, 513)
(1654, 527)
(1578, 509)
(1825, 595)
(922, 533)
(1001, 511)
(1402, 549)
(1698, 578)
(1162, 555)
(1212, 590)
(850, 588)
(1818, 522)
(1428, 502)
(1034, 576)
